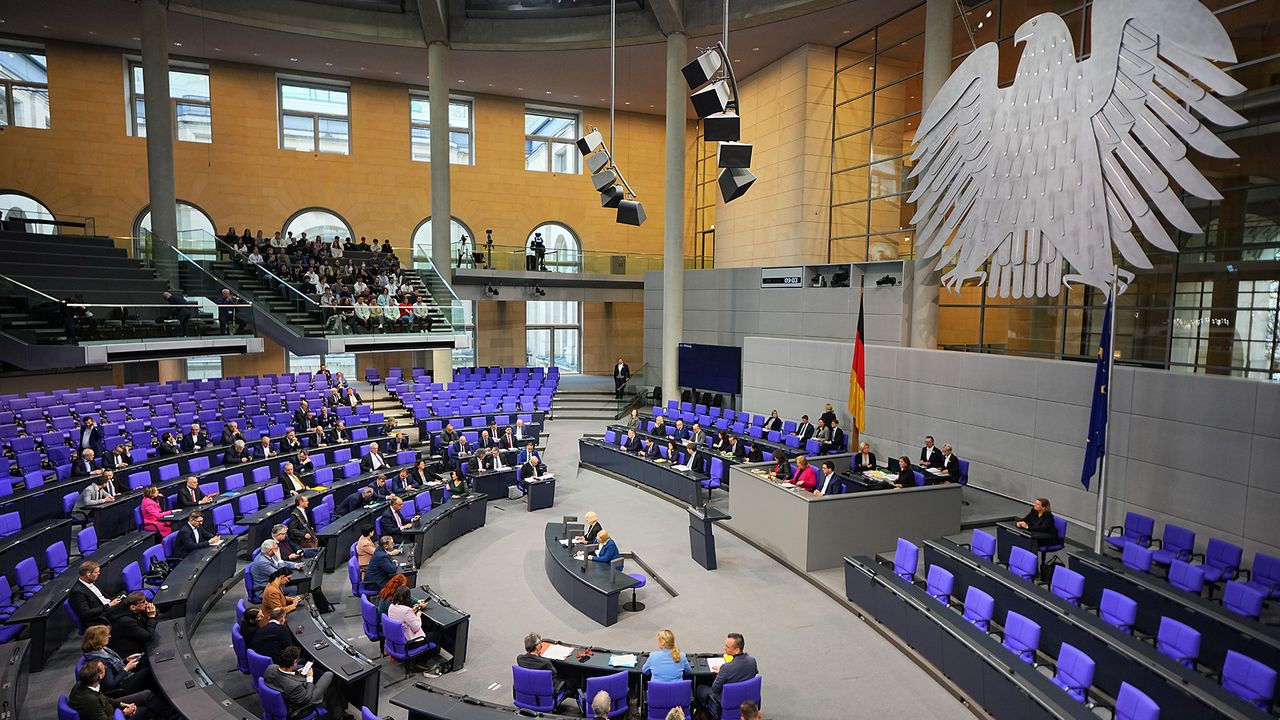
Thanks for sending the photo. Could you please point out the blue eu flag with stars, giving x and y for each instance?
(1095, 443)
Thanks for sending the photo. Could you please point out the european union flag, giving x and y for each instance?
(1096, 441)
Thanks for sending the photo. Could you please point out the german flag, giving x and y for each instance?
(858, 375)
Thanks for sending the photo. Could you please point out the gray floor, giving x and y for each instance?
(815, 655)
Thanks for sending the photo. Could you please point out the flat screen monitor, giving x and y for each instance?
(717, 368)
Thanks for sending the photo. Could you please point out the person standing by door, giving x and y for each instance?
(621, 374)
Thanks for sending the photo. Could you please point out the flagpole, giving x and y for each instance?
(1100, 519)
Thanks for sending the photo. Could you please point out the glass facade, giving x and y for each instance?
(1212, 307)
(549, 137)
(17, 206)
(553, 334)
(314, 118)
(317, 222)
(564, 252)
(24, 88)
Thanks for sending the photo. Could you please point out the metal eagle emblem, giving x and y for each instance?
(1075, 155)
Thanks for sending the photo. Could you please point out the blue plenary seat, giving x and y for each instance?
(1137, 528)
(1177, 543)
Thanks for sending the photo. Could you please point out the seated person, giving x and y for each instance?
(408, 613)
(91, 703)
(865, 460)
(804, 429)
(123, 675)
(533, 660)
(950, 464)
(1039, 523)
(673, 451)
(238, 453)
(736, 448)
(696, 458)
(590, 529)
(231, 433)
(304, 690)
(805, 478)
(781, 467)
(836, 442)
(272, 638)
(381, 489)
(393, 523)
(290, 443)
(755, 453)
(773, 422)
(829, 483)
(458, 485)
(491, 460)
(264, 449)
(649, 449)
(533, 469)
(191, 536)
(607, 552)
(633, 443)
(741, 667)
(305, 466)
(191, 495)
(666, 664)
(906, 476)
(381, 566)
(528, 451)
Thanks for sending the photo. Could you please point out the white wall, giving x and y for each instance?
(1199, 451)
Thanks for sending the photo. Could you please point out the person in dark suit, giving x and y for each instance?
(649, 449)
(168, 445)
(88, 700)
(736, 448)
(195, 439)
(929, 455)
(354, 502)
(697, 458)
(781, 467)
(117, 459)
(91, 437)
(133, 624)
(85, 465)
(590, 530)
(486, 440)
(400, 442)
(192, 536)
(333, 399)
(490, 459)
(773, 422)
(906, 476)
(182, 313)
(231, 433)
(421, 474)
(951, 464)
(659, 427)
(448, 436)
(621, 374)
(828, 482)
(507, 441)
(680, 432)
(531, 660)
(393, 523)
(264, 449)
(1039, 523)
(271, 639)
(400, 483)
(865, 460)
(290, 443)
(304, 691)
(302, 534)
(87, 601)
(633, 444)
(300, 419)
(352, 398)
(741, 667)
(533, 469)
(374, 460)
(837, 436)
(340, 433)
(381, 566)
(237, 454)
(804, 430)
(191, 496)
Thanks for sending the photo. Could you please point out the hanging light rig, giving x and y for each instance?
(605, 173)
(715, 99)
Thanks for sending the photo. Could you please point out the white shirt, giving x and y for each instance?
(826, 483)
(376, 461)
(97, 592)
(195, 532)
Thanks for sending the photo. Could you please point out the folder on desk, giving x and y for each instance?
(557, 652)
(624, 661)
(714, 663)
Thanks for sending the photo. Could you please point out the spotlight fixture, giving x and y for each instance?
(537, 290)
(491, 290)
(715, 98)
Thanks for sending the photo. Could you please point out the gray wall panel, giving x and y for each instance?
(1168, 458)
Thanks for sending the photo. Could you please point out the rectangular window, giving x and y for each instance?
(549, 137)
(460, 129)
(24, 88)
(314, 117)
(189, 91)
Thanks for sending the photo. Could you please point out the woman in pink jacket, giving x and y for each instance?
(153, 513)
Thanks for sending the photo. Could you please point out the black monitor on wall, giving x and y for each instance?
(717, 368)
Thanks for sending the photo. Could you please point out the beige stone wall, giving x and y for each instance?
(786, 114)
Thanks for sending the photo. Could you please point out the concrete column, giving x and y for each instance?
(441, 214)
(159, 111)
(673, 216)
(442, 366)
(937, 68)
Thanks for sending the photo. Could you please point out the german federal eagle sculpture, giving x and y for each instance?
(1076, 155)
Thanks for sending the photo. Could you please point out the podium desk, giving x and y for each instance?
(702, 543)
(541, 494)
(816, 533)
(591, 587)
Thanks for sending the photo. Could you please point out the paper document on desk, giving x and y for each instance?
(714, 663)
(564, 543)
(626, 661)
(547, 476)
(557, 652)
(681, 468)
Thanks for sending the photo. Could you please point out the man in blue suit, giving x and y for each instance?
(739, 666)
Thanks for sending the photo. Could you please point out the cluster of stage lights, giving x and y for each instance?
(717, 106)
(608, 180)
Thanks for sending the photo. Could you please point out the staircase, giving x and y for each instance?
(251, 284)
(586, 404)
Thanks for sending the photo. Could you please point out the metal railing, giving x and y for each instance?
(517, 258)
(42, 223)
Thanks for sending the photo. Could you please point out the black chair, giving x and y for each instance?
(657, 395)
(686, 396)
(717, 400)
(706, 399)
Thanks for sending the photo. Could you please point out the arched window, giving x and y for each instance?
(564, 252)
(318, 221)
(196, 232)
(17, 206)
(457, 231)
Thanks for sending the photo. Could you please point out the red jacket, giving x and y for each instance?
(807, 478)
